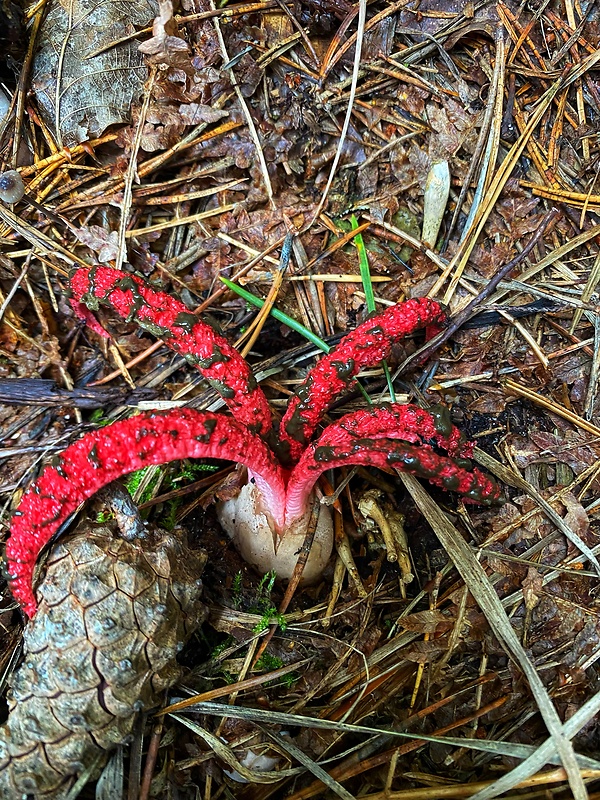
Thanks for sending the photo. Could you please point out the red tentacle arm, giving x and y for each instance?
(410, 423)
(182, 331)
(337, 448)
(104, 455)
(366, 346)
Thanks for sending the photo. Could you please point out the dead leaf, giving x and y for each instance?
(80, 96)
(164, 46)
(426, 622)
(576, 516)
(195, 113)
(101, 241)
(532, 587)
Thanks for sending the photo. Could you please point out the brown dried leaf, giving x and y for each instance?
(79, 96)
(102, 241)
(425, 652)
(532, 587)
(195, 113)
(426, 622)
(567, 447)
(164, 47)
(576, 516)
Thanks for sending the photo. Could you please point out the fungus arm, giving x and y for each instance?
(409, 423)
(366, 346)
(106, 454)
(170, 320)
(337, 448)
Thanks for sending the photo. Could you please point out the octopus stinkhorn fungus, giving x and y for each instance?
(269, 517)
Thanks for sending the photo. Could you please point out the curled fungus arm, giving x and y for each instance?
(170, 320)
(366, 346)
(337, 447)
(409, 423)
(106, 454)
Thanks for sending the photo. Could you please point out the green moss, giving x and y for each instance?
(264, 605)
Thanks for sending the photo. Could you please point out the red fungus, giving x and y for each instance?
(337, 447)
(182, 331)
(393, 436)
(366, 346)
(410, 423)
(106, 454)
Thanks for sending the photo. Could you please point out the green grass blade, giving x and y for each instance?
(291, 323)
(365, 276)
(388, 377)
(363, 263)
(278, 315)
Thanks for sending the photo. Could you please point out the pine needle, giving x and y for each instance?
(367, 282)
(278, 315)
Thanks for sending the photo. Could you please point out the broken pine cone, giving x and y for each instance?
(113, 614)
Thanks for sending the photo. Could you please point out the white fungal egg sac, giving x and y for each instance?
(242, 518)
(12, 187)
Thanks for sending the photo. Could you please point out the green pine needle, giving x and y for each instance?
(278, 315)
(365, 276)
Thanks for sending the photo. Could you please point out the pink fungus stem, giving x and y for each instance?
(337, 447)
(169, 319)
(107, 454)
(366, 346)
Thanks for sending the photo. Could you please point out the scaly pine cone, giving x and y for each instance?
(113, 614)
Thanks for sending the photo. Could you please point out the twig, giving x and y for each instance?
(362, 17)
(471, 308)
(246, 111)
(131, 173)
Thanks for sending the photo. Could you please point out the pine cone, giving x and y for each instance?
(112, 616)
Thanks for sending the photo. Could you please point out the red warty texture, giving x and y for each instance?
(393, 437)
(109, 453)
(182, 331)
(337, 448)
(366, 346)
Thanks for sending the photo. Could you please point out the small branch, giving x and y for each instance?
(456, 322)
